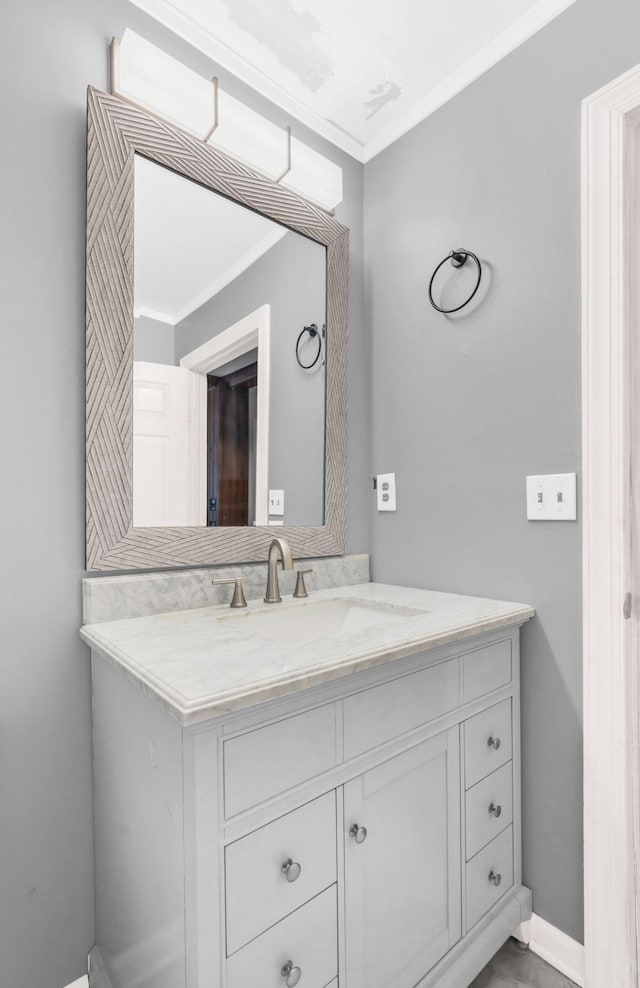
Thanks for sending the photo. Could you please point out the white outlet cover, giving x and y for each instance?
(386, 491)
(276, 502)
(551, 497)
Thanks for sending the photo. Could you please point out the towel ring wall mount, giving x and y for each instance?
(310, 332)
(457, 258)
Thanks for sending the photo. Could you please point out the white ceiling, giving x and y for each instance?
(189, 242)
(359, 72)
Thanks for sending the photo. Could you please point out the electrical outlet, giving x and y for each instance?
(551, 497)
(386, 491)
(276, 502)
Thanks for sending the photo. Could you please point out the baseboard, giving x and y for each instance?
(82, 982)
(554, 947)
(98, 977)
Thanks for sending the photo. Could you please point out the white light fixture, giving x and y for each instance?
(143, 74)
(147, 76)
(248, 136)
(313, 176)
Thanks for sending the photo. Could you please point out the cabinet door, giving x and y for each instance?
(403, 881)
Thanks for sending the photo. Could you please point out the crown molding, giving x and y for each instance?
(167, 13)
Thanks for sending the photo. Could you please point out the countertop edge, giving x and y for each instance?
(189, 713)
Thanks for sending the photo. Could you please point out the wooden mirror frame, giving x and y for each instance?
(116, 131)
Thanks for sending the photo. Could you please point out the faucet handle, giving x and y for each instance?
(301, 590)
(238, 599)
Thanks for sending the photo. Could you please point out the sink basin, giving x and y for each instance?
(310, 621)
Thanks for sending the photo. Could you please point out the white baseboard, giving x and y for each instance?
(554, 947)
(82, 982)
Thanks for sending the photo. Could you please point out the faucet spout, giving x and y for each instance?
(279, 551)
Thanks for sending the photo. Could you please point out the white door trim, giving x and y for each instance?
(610, 667)
(248, 333)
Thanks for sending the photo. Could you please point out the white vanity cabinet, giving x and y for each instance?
(402, 883)
(364, 833)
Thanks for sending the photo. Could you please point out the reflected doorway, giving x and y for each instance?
(231, 445)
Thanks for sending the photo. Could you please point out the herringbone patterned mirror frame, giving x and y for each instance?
(115, 132)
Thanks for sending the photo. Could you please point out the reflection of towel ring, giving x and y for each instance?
(458, 258)
(312, 330)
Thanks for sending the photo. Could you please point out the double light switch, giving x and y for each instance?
(551, 497)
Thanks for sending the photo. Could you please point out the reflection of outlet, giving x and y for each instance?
(551, 497)
(276, 502)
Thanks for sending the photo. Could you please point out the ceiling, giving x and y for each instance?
(189, 242)
(359, 72)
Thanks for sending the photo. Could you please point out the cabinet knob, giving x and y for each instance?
(494, 743)
(495, 877)
(358, 833)
(291, 974)
(291, 870)
(496, 810)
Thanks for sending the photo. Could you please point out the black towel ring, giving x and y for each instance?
(457, 258)
(312, 330)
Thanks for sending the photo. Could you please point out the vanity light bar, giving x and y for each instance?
(313, 176)
(147, 76)
(246, 135)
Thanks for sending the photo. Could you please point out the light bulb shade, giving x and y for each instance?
(251, 138)
(149, 77)
(313, 176)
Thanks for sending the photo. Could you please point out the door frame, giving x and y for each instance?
(253, 330)
(610, 140)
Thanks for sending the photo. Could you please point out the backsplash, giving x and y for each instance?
(114, 598)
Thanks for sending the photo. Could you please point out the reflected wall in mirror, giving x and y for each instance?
(231, 325)
(223, 412)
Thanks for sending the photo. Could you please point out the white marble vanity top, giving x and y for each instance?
(199, 666)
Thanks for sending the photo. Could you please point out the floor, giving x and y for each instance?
(513, 967)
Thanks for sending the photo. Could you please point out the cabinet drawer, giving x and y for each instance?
(386, 711)
(485, 670)
(257, 891)
(489, 808)
(495, 860)
(308, 938)
(272, 759)
(487, 742)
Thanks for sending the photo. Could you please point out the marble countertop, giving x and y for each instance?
(199, 666)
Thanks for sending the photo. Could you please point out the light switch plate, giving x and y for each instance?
(276, 502)
(386, 491)
(551, 497)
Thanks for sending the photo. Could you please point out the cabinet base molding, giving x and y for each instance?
(460, 966)
(465, 961)
(554, 947)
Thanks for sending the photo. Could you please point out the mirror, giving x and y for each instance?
(202, 270)
(228, 427)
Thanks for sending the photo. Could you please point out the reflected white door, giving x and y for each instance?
(169, 446)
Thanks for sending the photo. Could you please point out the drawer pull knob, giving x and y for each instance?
(495, 877)
(494, 743)
(291, 870)
(358, 833)
(496, 810)
(291, 974)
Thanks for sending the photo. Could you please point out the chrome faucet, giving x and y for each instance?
(278, 550)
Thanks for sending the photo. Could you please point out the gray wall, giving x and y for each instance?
(154, 341)
(494, 394)
(291, 278)
(50, 53)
